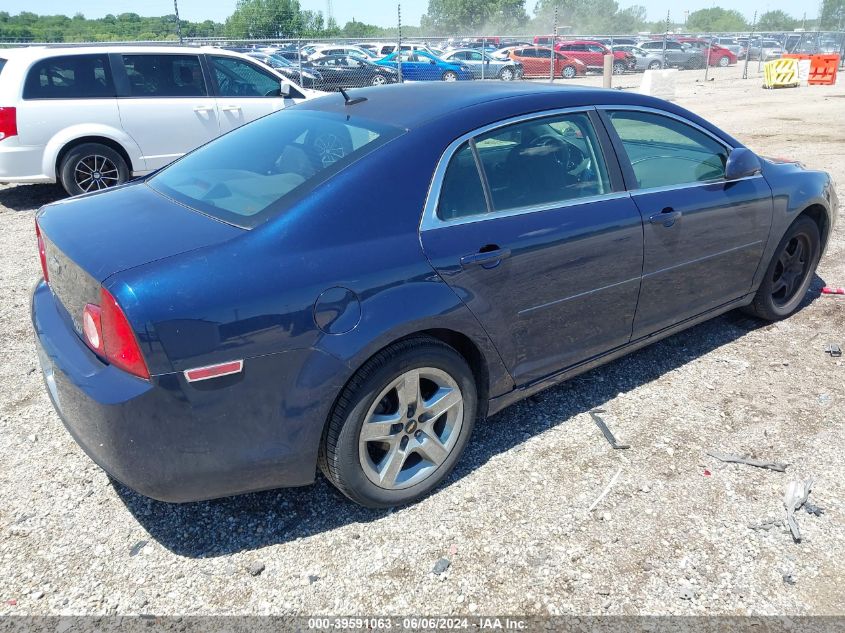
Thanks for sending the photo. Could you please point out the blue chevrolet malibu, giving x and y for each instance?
(354, 282)
(424, 66)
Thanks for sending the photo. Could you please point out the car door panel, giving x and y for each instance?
(703, 236)
(567, 291)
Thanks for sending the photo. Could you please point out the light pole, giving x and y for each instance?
(178, 21)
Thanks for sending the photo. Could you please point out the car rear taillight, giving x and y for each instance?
(107, 332)
(8, 123)
(42, 253)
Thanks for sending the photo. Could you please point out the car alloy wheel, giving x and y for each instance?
(507, 74)
(411, 428)
(378, 80)
(791, 269)
(618, 68)
(724, 61)
(569, 72)
(94, 173)
(450, 76)
(655, 65)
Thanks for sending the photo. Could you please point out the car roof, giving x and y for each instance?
(401, 105)
(40, 52)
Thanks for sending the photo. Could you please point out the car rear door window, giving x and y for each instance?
(70, 77)
(663, 151)
(461, 194)
(543, 162)
(2, 63)
(164, 75)
(238, 78)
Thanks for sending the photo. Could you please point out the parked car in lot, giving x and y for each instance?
(592, 54)
(484, 66)
(643, 60)
(537, 62)
(346, 71)
(424, 66)
(713, 52)
(677, 55)
(93, 117)
(254, 310)
(307, 78)
(765, 50)
(730, 43)
(332, 50)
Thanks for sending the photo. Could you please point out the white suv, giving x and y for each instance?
(93, 117)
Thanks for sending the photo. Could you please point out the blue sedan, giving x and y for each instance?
(423, 66)
(294, 296)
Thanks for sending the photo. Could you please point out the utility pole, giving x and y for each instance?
(178, 21)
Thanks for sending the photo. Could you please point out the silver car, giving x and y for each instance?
(765, 50)
(646, 60)
(677, 54)
(484, 66)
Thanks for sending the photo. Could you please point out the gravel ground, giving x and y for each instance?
(672, 536)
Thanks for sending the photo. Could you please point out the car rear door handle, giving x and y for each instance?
(487, 258)
(203, 109)
(231, 108)
(667, 217)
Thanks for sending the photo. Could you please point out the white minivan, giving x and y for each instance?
(91, 117)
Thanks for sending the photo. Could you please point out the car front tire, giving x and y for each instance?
(655, 65)
(92, 167)
(568, 72)
(450, 75)
(724, 61)
(790, 272)
(507, 74)
(401, 423)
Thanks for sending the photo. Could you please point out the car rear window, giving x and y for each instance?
(70, 77)
(257, 171)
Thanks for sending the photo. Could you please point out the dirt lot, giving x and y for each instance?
(669, 538)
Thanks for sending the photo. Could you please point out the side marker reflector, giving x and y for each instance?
(214, 371)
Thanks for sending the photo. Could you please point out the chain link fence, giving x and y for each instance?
(331, 64)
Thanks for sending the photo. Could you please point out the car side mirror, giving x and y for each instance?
(284, 89)
(742, 163)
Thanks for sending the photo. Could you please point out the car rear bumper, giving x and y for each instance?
(22, 163)
(177, 441)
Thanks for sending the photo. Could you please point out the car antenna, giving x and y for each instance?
(349, 101)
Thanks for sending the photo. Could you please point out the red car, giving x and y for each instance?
(719, 56)
(592, 54)
(536, 62)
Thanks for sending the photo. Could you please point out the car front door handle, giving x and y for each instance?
(667, 217)
(486, 259)
(231, 108)
(203, 109)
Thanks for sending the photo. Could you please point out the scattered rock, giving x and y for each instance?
(686, 593)
(37, 595)
(255, 568)
(441, 566)
(789, 579)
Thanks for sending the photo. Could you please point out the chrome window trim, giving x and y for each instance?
(429, 218)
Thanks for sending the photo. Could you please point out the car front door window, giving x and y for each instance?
(666, 152)
(237, 78)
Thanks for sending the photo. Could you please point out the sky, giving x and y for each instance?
(380, 12)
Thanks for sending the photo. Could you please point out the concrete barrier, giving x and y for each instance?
(659, 83)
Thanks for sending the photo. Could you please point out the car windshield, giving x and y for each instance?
(257, 171)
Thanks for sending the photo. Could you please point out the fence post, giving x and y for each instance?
(483, 56)
(707, 57)
(552, 47)
(299, 57)
(399, 42)
(748, 48)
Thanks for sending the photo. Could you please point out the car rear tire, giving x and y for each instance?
(724, 61)
(92, 167)
(401, 423)
(790, 272)
(450, 75)
(568, 72)
(507, 74)
(378, 80)
(655, 65)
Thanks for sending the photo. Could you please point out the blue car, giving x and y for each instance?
(423, 66)
(293, 296)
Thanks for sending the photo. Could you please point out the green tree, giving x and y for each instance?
(452, 17)
(832, 15)
(254, 19)
(588, 16)
(776, 21)
(716, 19)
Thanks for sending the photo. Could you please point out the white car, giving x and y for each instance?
(92, 117)
(328, 50)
